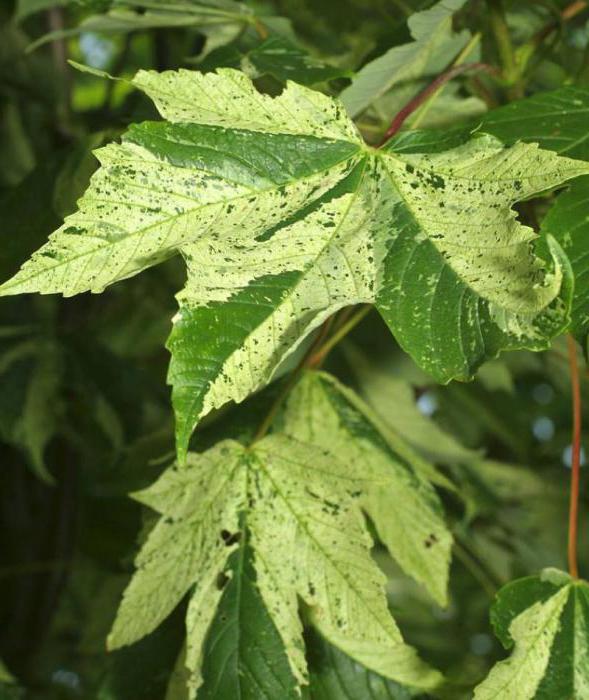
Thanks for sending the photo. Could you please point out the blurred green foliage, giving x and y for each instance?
(85, 413)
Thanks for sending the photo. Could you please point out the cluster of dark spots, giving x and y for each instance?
(222, 581)
(409, 168)
(430, 540)
(230, 538)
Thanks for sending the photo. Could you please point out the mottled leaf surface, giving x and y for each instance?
(545, 619)
(284, 216)
(300, 508)
(397, 495)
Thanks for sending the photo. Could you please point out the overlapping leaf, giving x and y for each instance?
(298, 508)
(335, 676)
(546, 620)
(434, 46)
(284, 216)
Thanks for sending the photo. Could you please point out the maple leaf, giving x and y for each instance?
(283, 216)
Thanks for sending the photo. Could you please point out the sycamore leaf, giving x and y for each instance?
(546, 620)
(434, 45)
(284, 216)
(243, 654)
(298, 507)
(397, 497)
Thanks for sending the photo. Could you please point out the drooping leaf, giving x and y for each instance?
(275, 56)
(435, 44)
(300, 508)
(398, 497)
(284, 216)
(568, 222)
(546, 620)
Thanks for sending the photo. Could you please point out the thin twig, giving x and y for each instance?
(318, 358)
(60, 57)
(292, 380)
(576, 458)
(459, 60)
(314, 356)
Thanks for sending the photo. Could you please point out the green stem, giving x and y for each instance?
(502, 39)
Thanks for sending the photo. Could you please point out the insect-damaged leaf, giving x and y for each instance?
(300, 510)
(546, 620)
(284, 216)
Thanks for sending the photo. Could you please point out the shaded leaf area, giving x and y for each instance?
(545, 619)
(243, 654)
(555, 120)
(333, 675)
(275, 56)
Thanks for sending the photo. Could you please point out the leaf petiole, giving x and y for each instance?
(576, 458)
